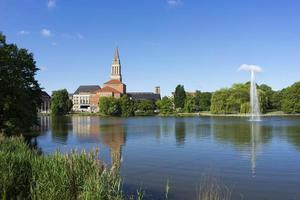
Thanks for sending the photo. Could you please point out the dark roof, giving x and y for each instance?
(144, 96)
(87, 89)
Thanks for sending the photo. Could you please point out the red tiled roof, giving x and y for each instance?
(113, 81)
(109, 89)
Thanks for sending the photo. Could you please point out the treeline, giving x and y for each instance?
(181, 102)
(126, 106)
(233, 100)
(236, 99)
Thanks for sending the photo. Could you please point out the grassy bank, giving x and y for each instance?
(25, 174)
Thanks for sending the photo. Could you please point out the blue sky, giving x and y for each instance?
(197, 43)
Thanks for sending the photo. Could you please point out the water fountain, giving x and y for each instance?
(254, 103)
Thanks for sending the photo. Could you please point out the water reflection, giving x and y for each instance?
(114, 136)
(180, 132)
(182, 148)
(60, 129)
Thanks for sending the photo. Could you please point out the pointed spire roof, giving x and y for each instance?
(116, 54)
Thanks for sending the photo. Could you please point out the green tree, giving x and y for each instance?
(109, 106)
(219, 101)
(291, 98)
(127, 106)
(165, 105)
(179, 96)
(60, 103)
(189, 104)
(202, 101)
(19, 90)
(147, 107)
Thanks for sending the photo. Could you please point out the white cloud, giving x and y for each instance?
(254, 68)
(23, 32)
(174, 2)
(46, 32)
(51, 3)
(54, 44)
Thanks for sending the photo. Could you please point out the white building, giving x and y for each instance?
(82, 98)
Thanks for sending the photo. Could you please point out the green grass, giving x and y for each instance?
(78, 175)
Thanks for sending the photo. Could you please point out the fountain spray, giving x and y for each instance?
(254, 102)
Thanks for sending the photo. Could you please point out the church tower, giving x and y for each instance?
(116, 67)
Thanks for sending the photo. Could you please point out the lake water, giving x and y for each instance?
(259, 160)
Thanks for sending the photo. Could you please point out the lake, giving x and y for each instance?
(255, 160)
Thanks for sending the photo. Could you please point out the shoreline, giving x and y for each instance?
(203, 114)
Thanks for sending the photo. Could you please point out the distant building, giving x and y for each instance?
(45, 104)
(86, 97)
(82, 98)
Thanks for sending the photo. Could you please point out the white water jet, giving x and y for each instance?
(254, 103)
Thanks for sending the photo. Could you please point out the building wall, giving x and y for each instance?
(81, 100)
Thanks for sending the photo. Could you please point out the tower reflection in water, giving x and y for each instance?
(109, 132)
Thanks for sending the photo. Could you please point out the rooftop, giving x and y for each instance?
(144, 96)
(87, 89)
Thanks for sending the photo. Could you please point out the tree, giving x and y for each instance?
(60, 103)
(189, 104)
(202, 101)
(127, 106)
(19, 90)
(291, 98)
(219, 101)
(165, 105)
(179, 96)
(147, 107)
(109, 106)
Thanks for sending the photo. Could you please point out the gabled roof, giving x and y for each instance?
(113, 81)
(87, 89)
(144, 96)
(109, 89)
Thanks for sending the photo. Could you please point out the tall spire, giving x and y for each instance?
(116, 55)
(116, 66)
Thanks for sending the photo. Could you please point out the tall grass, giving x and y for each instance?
(78, 175)
(212, 189)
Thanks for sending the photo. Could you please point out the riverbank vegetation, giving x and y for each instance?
(226, 101)
(25, 174)
(126, 107)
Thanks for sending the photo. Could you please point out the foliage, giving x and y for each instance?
(202, 101)
(26, 175)
(109, 106)
(219, 101)
(19, 90)
(60, 102)
(290, 102)
(189, 104)
(145, 107)
(165, 105)
(127, 106)
(179, 96)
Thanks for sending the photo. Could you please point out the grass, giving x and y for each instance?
(25, 174)
(212, 189)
